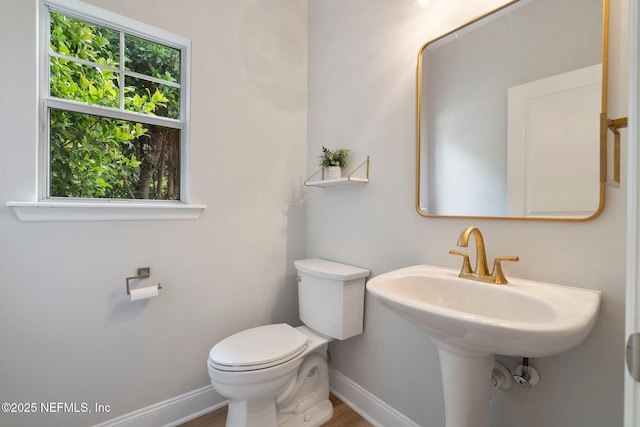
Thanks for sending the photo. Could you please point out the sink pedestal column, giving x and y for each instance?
(466, 381)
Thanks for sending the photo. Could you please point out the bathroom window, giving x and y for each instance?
(113, 107)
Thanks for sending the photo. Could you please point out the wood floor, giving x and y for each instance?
(343, 416)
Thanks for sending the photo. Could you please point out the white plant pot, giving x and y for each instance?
(332, 172)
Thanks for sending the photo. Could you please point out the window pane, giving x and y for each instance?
(71, 80)
(148, 97)
(152, 59)
(98, 157)
(79, 39)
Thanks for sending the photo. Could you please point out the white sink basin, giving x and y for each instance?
(522, 318)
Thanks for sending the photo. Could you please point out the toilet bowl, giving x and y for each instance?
(277, 375)
(289, 389)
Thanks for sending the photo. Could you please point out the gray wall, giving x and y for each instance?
(67, 330)
(362, 58)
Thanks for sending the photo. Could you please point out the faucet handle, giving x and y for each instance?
(498, 274)
(466, 265)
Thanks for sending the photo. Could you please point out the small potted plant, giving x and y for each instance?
(332, 161)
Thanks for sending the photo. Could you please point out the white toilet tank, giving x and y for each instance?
(331, 297)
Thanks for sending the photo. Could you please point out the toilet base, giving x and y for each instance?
(257, 412)
(314, 417)
(263, 413)
(307, 403)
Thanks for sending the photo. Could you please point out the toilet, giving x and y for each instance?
(277, 375)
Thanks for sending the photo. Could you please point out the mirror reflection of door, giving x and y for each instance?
(553, 143)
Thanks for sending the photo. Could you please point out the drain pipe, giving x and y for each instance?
(501, 377)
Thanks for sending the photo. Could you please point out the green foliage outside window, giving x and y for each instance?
(101, 157)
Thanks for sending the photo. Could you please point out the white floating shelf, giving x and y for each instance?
(349, 179)
(336, 181)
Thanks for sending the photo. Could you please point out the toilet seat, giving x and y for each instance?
(258, 348)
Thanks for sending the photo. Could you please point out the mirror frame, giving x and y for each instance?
(603, 121)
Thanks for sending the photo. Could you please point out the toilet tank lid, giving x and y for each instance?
(329, 269)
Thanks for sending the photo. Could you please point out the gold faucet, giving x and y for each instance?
(481, 272)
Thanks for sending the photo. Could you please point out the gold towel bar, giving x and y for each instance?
(614, 125)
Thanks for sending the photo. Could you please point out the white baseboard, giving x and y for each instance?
(171, 412)
(366, 404)
(180, 409)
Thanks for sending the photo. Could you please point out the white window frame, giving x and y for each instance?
(45, 208)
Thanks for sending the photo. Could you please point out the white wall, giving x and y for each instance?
(67, 331)
(362, 58)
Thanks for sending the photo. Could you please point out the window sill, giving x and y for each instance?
(104, 211)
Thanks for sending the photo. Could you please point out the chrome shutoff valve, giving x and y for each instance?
(526, 376)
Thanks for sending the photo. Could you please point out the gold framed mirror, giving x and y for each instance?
(511, 114)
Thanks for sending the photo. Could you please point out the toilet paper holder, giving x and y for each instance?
(143, 273)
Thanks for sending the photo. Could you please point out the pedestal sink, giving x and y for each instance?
(471, 321)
